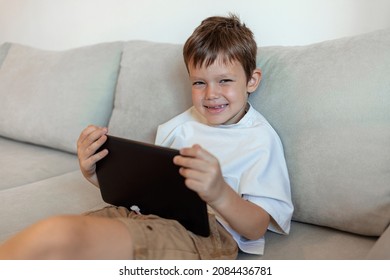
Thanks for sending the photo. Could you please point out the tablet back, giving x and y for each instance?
(143, 175)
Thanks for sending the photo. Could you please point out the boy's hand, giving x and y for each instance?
(90, 140)
(202, 173)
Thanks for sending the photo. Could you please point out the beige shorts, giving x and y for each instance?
(158, 238)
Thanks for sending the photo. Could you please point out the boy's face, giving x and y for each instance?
(220, 91)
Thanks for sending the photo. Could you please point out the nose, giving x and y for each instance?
(211, 92)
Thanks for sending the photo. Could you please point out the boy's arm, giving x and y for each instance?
(203, 175)
(245, 217)
(90, 140)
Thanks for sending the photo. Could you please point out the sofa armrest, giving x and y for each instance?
(381, 249)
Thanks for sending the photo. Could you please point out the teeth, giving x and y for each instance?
(217, 107)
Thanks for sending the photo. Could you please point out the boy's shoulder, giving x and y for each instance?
(163, 130)
(189, 115)
(251, 119)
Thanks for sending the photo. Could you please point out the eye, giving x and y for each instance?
(224, 81)
(198, 84)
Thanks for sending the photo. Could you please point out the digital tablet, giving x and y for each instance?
(142, 176)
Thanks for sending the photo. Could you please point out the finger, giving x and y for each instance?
(94, 146)
(84, 134)
(193, 178)
(191, 174)
(191, 151)
(197, 151)
(91, 145)
(194, 185)
(90, 162)
(191, 163)
(91, 134)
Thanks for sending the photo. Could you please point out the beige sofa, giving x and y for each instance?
(329, 102)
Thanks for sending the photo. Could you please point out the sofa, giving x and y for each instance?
(329, 102)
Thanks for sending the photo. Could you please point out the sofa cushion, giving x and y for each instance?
(310, 242)
(69, 193)
(48, 97)
(3, 51)
(153, 86)
(23, 163)
(330, 104)
(381, 249)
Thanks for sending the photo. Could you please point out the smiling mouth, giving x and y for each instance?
(216, 107)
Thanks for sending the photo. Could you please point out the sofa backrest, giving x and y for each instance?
(152, 87)
(330, 104)
(48, 97)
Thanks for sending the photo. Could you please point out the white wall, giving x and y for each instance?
(62, 24)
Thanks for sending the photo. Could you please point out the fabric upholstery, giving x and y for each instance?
(330, 103)
(3, 51)
(48, 97)
(381, 249)
(310, 242)
(22, 163)
(68, 193)
(153, 86)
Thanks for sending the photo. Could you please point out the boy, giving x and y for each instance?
(229, 155)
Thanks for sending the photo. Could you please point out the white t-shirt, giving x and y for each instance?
(252, 160)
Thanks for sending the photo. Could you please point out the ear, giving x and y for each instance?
(254, 81)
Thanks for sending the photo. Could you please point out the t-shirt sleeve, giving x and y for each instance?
(166, 132)
(266, 183)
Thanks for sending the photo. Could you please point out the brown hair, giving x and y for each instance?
(226, 37)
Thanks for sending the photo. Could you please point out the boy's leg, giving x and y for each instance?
(71, 237)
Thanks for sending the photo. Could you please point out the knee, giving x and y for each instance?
(56, 237)
(61, 228)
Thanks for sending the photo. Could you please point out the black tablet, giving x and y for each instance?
(142, 176)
